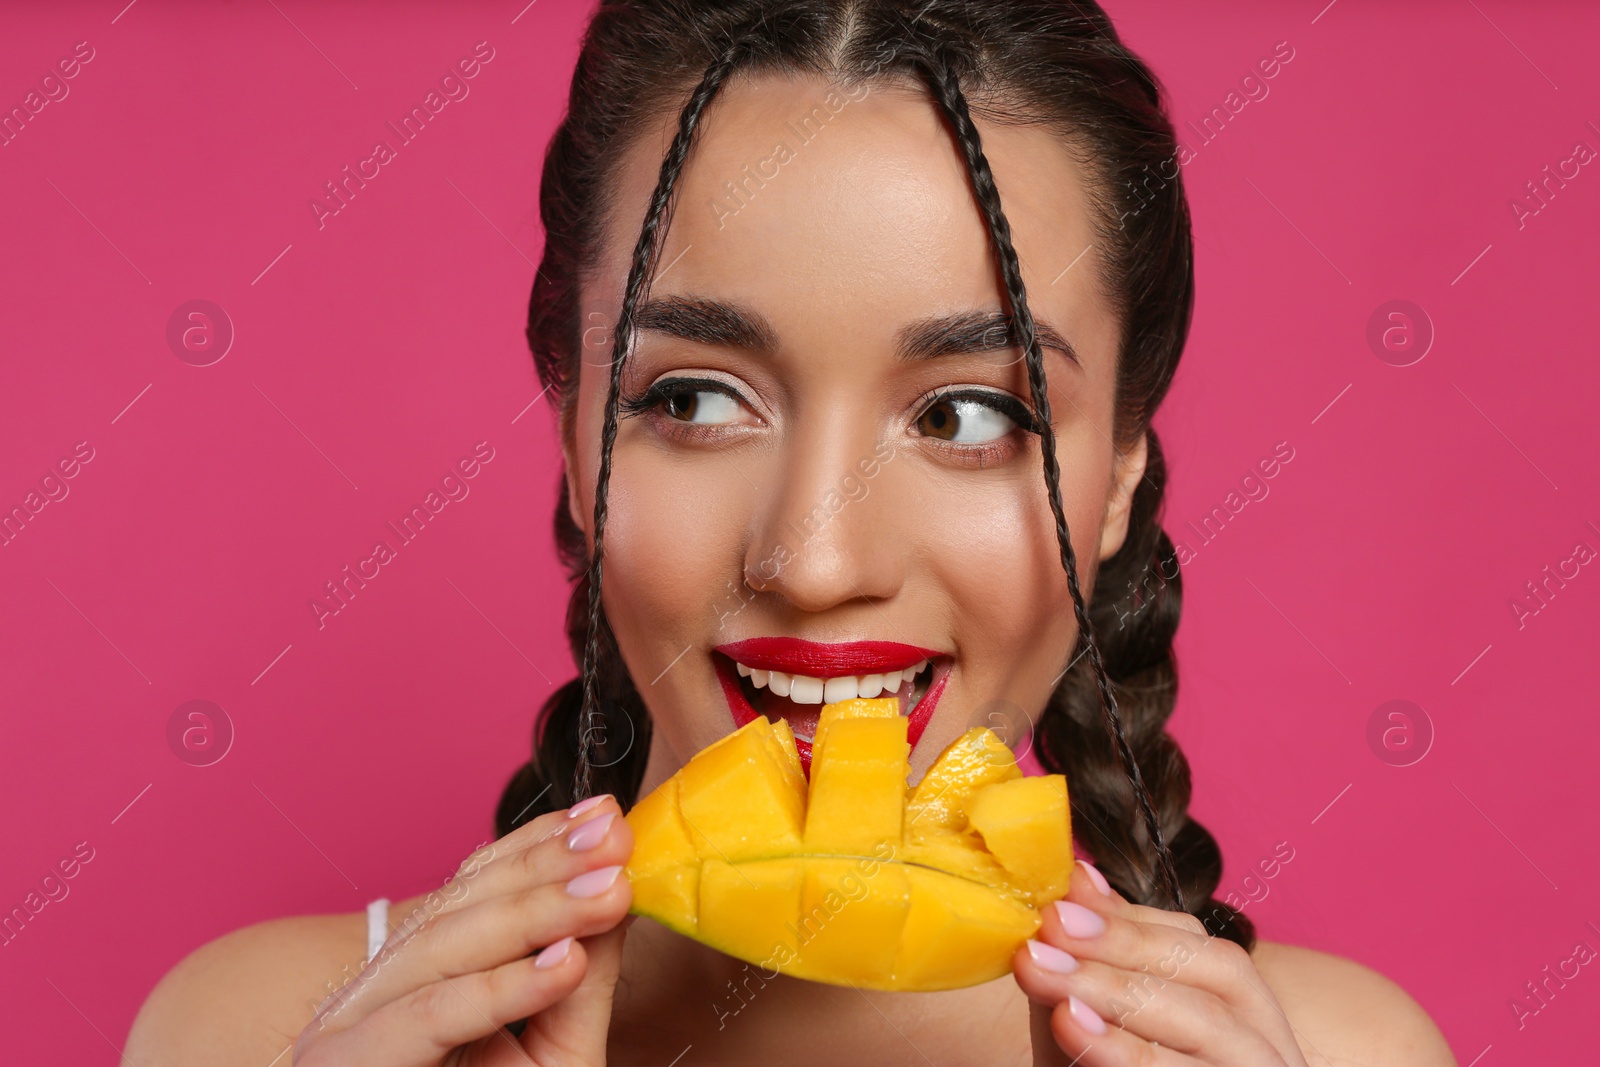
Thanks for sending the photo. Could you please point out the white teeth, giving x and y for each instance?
(803, 689)
(837, 689)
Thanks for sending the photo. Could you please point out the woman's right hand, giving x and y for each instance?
(441, 993)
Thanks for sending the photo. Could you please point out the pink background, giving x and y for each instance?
(374, 353)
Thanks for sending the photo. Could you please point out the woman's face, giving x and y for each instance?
(825, 444)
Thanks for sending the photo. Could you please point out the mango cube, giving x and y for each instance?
(1020, 822)
(737, 800)
(958, 933)
(748, 910)
(850, 921)
(858, 784)
(975, 759)
(665, 878)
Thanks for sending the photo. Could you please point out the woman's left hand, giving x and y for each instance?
(1115, 984)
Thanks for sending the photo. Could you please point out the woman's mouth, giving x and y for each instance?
(754, 684)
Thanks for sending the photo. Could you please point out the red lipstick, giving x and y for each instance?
(815, 659)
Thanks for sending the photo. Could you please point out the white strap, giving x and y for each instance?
(377, 925)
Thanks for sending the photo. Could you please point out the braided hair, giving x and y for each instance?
(1056, 63)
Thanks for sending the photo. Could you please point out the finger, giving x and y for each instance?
(498, 929)
(1171, 945)
(522, 856)
(1088, 1041)
(1089, 887)
(494, 932)
(519, 856)
(1173, 1014)
(513, 862)
(419, 1029)
(576, 1027)
(1089, 925)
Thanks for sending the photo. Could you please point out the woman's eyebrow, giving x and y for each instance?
(729, 325)
(708, 322)
(974, 331)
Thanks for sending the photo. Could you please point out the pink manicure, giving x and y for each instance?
(1097, 878)
(593, 883)
(585, 804)
(1085, 1016)
(1079, 921)
(553, 953)
(1051, 958)
(590, 833)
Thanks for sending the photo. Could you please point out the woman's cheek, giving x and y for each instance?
(672, 546)
(993, 549)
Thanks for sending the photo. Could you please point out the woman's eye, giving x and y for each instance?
(691, 402)
(703, 406)
(964, 421)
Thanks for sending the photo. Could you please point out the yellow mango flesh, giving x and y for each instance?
(972, 761)
(1019, 822)
(858, 785)
(856, 879)
(737, 800)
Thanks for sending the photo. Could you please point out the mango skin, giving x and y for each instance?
(855, 880)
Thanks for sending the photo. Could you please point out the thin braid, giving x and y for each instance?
(946, 87)
(645, 255)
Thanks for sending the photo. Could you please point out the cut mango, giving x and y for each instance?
(855, 879)
(1019, 821)
(972, 761)
(858, 785)
(666, 866)
(738, 798)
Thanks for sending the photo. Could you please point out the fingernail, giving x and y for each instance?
(1051, 958)
(553, 953)
(590, 833)
(1085, 1016)
(1097, 878)
(584, 805)
(1079, 921)
(593, 883)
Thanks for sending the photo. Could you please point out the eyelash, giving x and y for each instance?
(662, 391)
(652, 400)
(1004, 403)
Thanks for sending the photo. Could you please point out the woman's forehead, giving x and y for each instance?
(814, 200)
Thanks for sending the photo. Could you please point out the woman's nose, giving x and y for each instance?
(825, 536)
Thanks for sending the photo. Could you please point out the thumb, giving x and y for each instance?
(578, 1024)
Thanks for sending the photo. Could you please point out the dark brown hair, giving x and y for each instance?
(1051, 63)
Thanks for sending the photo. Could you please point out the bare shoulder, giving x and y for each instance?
(243, 998)
(1344, 1013)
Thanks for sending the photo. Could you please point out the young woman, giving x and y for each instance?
(858, 312)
